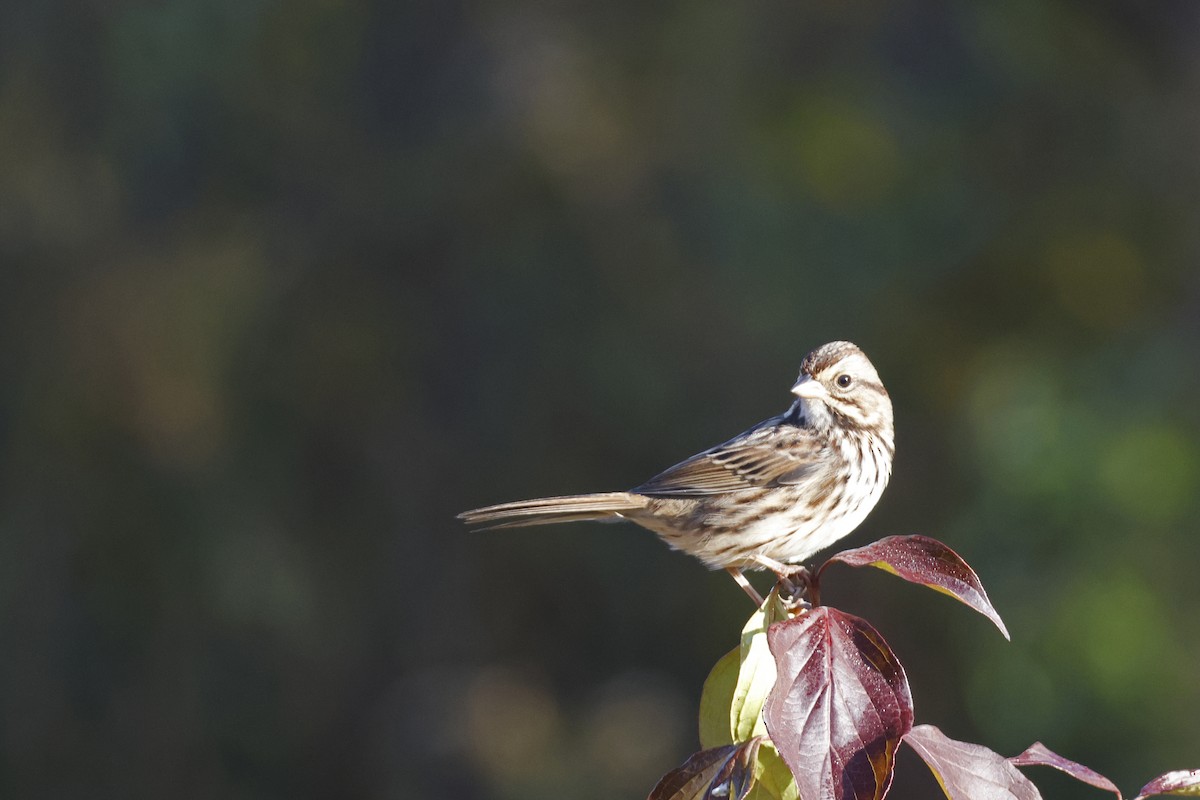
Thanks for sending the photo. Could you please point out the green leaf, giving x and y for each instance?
(756, 673)
(738, 685)
(716, 700)
(772, 778)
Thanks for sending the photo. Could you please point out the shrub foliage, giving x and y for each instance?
(813, 704)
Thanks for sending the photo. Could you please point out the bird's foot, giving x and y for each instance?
(795, 582)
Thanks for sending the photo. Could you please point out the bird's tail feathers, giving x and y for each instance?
(550, 510)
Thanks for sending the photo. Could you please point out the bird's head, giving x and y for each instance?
(839, 386)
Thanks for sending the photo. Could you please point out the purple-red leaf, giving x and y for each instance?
(1181, 782)
(926, 561)
(969, 771)
(840, 705)
(719, 773)
(1040, 755)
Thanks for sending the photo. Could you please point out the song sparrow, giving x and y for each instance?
(769, 497)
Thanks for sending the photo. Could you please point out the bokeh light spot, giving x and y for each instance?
(512, 724)
(848, 158)
(635, 732)
(1099, 277)
(1152, 472)
(1119, 628)
(1017, 414)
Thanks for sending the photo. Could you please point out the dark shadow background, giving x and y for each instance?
(286, 286)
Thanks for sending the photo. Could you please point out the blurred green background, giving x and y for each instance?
(286, 286)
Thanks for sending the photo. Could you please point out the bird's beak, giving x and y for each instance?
(809, 389)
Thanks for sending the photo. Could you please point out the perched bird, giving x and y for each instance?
(767, 498)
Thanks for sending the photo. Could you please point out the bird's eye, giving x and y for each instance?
(844, 381)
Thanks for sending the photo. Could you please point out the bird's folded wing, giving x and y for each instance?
(766, 456)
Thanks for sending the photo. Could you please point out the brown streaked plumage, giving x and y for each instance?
(770, 496)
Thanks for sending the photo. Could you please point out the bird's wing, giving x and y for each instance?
(770, 454)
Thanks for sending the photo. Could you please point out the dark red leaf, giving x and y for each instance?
(926, 561)
(692, 778)
(1040, 755)
(1185, 782)
(719, 773)
(969, 771)
(840, 705)
(736, 778)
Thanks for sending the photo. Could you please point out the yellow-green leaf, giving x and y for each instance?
(772, 778)
(756, 671)
(738, 685)
(716, 700)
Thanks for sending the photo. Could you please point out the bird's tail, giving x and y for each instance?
(547, 510)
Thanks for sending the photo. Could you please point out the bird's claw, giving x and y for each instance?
(795, 584)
